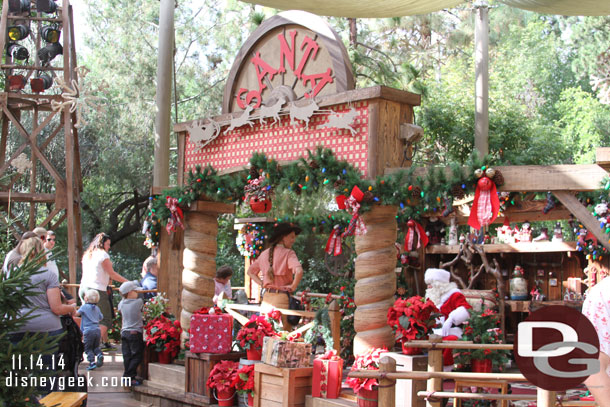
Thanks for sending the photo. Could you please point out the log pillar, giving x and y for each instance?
(199, 258)
(375, 279)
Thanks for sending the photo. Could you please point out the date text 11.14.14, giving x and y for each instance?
(31, 362)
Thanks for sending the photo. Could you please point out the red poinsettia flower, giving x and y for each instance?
(366, 361)
(244, 379)
(164, 334)
(251, 335)
(222, 375)
(412, 318)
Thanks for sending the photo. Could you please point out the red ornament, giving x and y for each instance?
(486, 204)
(260, 205)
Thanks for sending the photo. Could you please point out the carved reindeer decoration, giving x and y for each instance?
(241, 120)
(272, 111)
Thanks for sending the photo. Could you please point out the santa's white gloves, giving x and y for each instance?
(456, 317)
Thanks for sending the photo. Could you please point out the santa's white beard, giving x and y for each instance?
(437, 290)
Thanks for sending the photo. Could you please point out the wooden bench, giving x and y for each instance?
(63, 399)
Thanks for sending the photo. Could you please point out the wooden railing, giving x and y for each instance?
(387, 377)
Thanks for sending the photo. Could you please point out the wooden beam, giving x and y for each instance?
(602, 157)
(26, 197)
(583, 215)
(530, 211)
(212, 207)
(521, 247)
(538, 178)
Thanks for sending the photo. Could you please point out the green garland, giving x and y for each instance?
(413, 195)
(321, 327)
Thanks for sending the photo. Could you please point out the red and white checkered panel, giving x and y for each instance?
(284, 142)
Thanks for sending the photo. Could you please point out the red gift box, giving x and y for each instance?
(211, 333)
(326, 380)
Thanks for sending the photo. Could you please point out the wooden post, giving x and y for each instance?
(164, 92)
(199, 258)
(199, 264)
(481, 71)
(545, 398)
(435, 364)
(387, 387)
(376, 279)
(335, 324)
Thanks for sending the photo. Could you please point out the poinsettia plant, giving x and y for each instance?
(482, 327)
(163, 333)
(155, 307)
(244, 379)
(251, 335)
(412, 318)
(223, 375)
(366, 361)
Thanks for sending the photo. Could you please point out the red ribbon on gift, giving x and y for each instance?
(324, 379)
(176, 215)
(415, 230)
(352, 205)
(333, 245)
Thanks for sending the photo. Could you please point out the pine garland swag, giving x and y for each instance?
(321, 169)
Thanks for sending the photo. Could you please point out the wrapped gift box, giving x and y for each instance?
(280, 353)
(211, 333)
(326, 380)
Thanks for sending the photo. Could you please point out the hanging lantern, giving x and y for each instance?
(46, 6)
(50, 34)
(16, 82)
(18, 32)
(260, 205)
(18, 6)
(41, 83)
(49, 51)
(18, 52)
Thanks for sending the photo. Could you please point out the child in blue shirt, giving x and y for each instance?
(91, 315)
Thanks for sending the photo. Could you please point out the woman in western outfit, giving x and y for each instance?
(280, 275)
(97, 273)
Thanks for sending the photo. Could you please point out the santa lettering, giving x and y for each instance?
(264, 71)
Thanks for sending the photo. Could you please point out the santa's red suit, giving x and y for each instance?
(454, 309)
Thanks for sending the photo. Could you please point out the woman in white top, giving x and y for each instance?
(97, 273)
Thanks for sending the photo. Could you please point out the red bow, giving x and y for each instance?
(333, 245)
(329, 355)
(352, 205)
(176, 215)
(486, 204)
(414, 230)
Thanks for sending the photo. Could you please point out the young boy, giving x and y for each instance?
(132, 343)
(91, 316)
(222, 283)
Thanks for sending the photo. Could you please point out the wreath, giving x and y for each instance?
(250, 240)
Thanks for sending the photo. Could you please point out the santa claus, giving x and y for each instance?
(452, 305)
